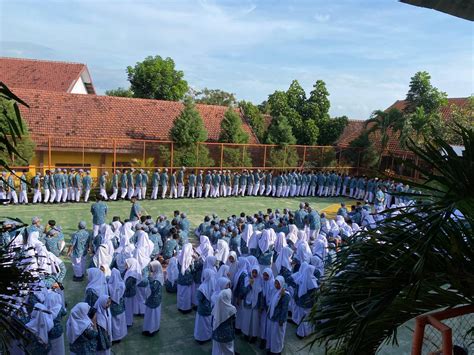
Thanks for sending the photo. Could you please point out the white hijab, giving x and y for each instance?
(222, 283)
(293, 233)
(266, 240)
(223, 271)
(253, 261)
(116, 286)
(253, 242)
(205, 248)
(116, 227)
(307, 281)
(78, 321)
(185, 257)
(41, 322)
(102, 256)
(232, 265)
(280, 242)
(53, 303)
(207, 285)
(268, 286)
(303, 253)
(284, 259)
(318, 264)
(133, 270)
(106, 233)
(143, 242)
(243, 266)
(126, 231)
(222, 252)
(257, 287)
(172, 271)
(302, 237)
(223, 309)
(277, 295)
(157, 271)
(104, 319)
(247, 233)
(97, 281)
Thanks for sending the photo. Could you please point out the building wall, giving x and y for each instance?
(79, 87)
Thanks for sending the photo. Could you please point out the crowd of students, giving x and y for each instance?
(61, 185)
(247, 274)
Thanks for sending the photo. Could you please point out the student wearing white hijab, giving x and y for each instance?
(239, 289)
(252, 305)
(277, 316)
(116, 288)
(266, 243)
(102, 256)
(318, 264)
(303, 253)
(268, 288)
(172, 275)
(203, 321)
(224, 271)
(53, 302)
(151, 322)
(142, 253)
(280, 243)
(81, 331)
(96, 287)
(185, 279)
(205, 248)
(40, 324)
(232, 263)
(223, 333)
(292, 236)
(246, 234)
(306, 286)
(222, 252)
(282, 265)
(132, 277)
(104, 325)
(221, 284)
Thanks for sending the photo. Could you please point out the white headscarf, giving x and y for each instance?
(222, 252)
(97, 281)
(116, 286)
(126, 231)
(243, 266)
(223, 309)
(143, 242)
(232, 266)
(116, 227)
(293, 233)
(280, 242)
(78, 321)
(102, 256)
(223, 271)
(106, 233)
(302, 237)
(284, 259)
(268, 286)
(33, 239)
(257, 287)
(141, 255)
(318, 264)
(157, 271)
(122, 256)
(207, 285)
(205, 248)
(253, 242)
(185, 257)
(266, 240)
(253, 261)
(133, 270)
(104, 319)
(247, 233)
(172, 271)
(222, 283)
(53, 303)
(277, 295)
(355, 228)
(307, 281)
(303, 253)
(41, 322)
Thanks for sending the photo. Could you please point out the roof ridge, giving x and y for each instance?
(42, 60)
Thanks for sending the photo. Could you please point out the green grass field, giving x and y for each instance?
(176, 334)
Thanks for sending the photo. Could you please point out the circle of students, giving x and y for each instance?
(247, 275)
(62, 185)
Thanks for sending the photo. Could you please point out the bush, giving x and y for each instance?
(237, 156)
(185, 156)
(279, 157)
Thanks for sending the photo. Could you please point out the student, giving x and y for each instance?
(239, 289)
(116, 288)
(104, 325)
(135, 210)
(99, 213)
(78, 249)
(232, 263)
(132, 277)
(53, 302)
(151, 323)
(171, 246)
(203, 322)
(81, 330)
(172, 275)
(268, 289)
(252, 305)
(87, 183)
(96, 287)
(221, 284)
(283, 263)
(185, 279)
(223, 332)
(222, 252)
(277, 315)
(304, 296)
(40, 324)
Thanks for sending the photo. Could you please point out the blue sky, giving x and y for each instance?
(365, 50)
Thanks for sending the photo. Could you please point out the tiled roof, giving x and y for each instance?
(40, 74)
(64, 116)
(355, 127)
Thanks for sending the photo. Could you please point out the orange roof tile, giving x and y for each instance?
(40, 74)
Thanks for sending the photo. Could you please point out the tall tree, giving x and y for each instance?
(461, 116)
(384, 122)
(120, 92)
(280, 132)
(296, 97)
(317, 105)
(231, 128)
(157, 78)
(331, 129)
(254, 117)
(423, 94)
(215, 97)
(188, 128)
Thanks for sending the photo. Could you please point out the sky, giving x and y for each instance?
(365, 50)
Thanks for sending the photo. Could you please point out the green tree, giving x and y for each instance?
(278, 103)
(384, 122)
(461, 116)
(281, 157)
(280, 132)
(231, 128)
(188, 128)
(296, 97)
(238, 156)
(317, 105)
(423, 94)
(309, 133)
(120, 92)
(157, 78)
(331, 129)
(414, 262)
(254, 118)
(215, 97)
(362, 152)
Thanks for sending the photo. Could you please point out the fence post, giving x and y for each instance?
(265, 158)
(304, 156)
(144, 154)
(222, 154)
(172, 158)
(49, 152)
